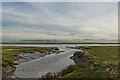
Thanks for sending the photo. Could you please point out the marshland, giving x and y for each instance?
(59, 61)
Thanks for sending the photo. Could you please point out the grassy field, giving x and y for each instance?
(11, 53)
(102, 58)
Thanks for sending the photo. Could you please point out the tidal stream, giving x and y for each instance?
(50, 63)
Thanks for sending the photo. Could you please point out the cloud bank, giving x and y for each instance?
(59, 20)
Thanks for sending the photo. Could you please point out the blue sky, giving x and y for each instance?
(59, 20)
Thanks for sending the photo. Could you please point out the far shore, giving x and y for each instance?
(59, 43)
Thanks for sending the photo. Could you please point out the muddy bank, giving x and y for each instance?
(79, 57)
(26, 57)
(7, 70)
(55, 75)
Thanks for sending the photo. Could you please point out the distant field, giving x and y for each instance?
(103, 57)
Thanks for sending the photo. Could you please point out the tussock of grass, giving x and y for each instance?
(102, 54)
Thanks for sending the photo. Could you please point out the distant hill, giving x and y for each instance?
(66, 41)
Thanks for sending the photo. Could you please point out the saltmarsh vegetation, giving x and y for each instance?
(100, 59)
(11, 53)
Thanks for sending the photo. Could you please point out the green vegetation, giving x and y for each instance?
(11, 53)
(104, 55)
(100, 58)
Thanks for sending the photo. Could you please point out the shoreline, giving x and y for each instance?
(79, 57)
(59, 43)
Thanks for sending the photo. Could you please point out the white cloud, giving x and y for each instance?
(60, 21)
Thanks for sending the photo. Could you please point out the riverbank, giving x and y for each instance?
(97, 62)
(11, 55)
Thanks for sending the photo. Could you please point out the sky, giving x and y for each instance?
(0, 22)
(59, 20)
(60, 0)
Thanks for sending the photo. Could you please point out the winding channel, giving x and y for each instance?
(50, 63)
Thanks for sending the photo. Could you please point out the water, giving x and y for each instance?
(57, 45)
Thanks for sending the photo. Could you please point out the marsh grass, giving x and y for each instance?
(8, 56)
(102, 57)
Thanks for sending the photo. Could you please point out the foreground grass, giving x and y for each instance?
(11, 53)
(101, 57)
